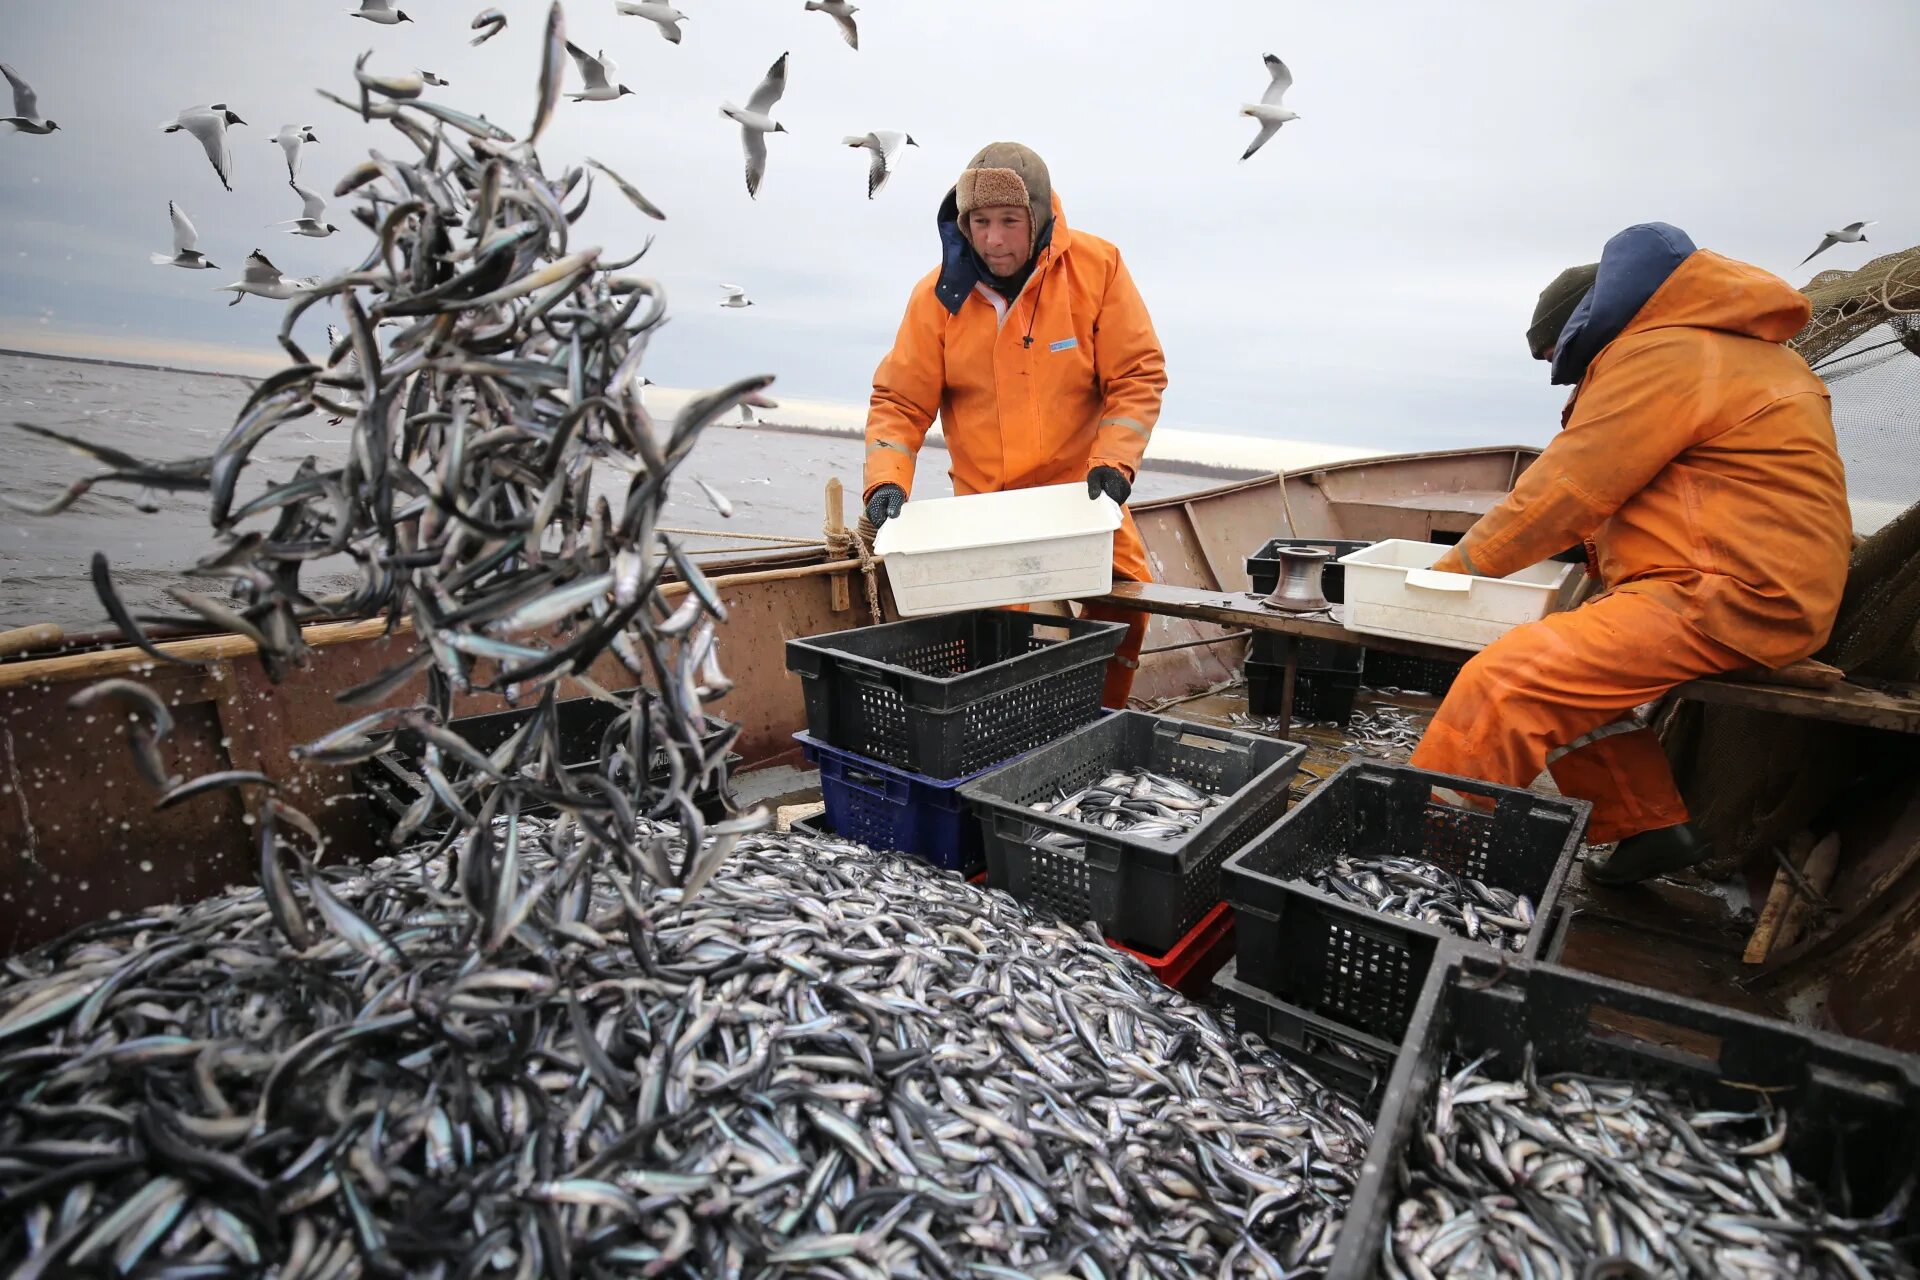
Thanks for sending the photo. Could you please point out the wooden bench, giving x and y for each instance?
(1842, 703)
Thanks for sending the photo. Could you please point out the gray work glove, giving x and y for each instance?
(885, 504)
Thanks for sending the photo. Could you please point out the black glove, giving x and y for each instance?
(1111, 481)
(885, 504)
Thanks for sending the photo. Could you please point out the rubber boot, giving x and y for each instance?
(1651, 853)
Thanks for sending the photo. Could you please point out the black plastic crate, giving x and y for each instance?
(951, 695)
(1317, 695)
(1854, 1107)
(1315, 655)
(393, 781)
(1263, 566)
(1351, 1061)
(1143, 891)
(1365, 969)
(1416, 675)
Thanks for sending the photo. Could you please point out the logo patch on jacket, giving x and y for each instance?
(1065, 344)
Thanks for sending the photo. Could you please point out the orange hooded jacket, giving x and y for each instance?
(1084, 392)
(1698, 456)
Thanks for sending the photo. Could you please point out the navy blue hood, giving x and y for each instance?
(961, 268)
(1633, 266)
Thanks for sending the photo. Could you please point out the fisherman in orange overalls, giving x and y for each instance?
(1032, 345)
(1697, 461)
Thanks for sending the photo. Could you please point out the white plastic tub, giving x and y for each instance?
(1392, 591)
(989, 549)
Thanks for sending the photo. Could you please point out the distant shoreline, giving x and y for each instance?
(123, 364)
(1204, 470)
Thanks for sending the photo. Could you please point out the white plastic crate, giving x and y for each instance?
(989, 549)
(1393, 591)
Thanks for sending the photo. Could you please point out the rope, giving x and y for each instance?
(781, 539)
(860, 540)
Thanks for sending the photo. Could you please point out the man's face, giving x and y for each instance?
(1001, 236)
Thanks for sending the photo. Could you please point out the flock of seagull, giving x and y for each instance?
(599, 83)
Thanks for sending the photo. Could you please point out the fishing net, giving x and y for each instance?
(1753, 778)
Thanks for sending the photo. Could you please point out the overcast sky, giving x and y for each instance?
(1365, 279)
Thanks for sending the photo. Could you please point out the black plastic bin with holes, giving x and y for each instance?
(1145, 892)
(1351, 1061)
(1853, 1107)
(1317, 695)
(1342, 961)
(1415, 675)
(951, 695)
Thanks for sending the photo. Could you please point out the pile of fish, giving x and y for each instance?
(1416, 889)
(829, 1060)
(1383, 731)
(1574, 1176)
(1135, 803)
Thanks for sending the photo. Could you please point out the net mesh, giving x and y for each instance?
(1752, 779)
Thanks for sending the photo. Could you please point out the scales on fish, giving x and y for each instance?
(1138, 803)
(1416, 889)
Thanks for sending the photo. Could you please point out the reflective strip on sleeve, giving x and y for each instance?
(1129, 423)
(888, 444)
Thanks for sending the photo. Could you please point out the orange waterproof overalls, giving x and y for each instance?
(1698, 458)
(1066, 377)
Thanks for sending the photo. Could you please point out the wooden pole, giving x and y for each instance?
(41, 635)
(1818, 873)
(1771, 915)
(842, 595)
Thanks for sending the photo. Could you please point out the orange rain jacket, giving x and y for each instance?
(1083, 392)
(1698, 456)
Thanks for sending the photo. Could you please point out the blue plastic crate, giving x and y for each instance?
(883, 807)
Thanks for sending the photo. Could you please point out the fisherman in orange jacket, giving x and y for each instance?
(1697, 461)
(1032, 345)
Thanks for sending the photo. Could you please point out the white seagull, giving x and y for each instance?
(886, 145)
(842, 13)
(291, 138)
(184, 240)
(26, 105)
(438, 82)
(755, 124)
(313, 216)
(597, 72)
(1852, 233)
(658, 12)
(209, 125)
(736, 296)
(1268, 111)
(263, 280)
(382, 12)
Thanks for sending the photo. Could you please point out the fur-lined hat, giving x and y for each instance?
(1006, 173)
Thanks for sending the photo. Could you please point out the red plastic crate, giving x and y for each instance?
(1189, 964)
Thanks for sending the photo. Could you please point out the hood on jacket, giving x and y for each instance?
(961, 268)
(1633, 266)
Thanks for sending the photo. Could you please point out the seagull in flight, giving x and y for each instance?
(842, 14)
(755, 122)
(658, 12)
(313, 216)
(494, 23)
(184, 240)
(597, 72)
(381, 12)
(886, 146)
(736, 297)
(263, 280)
(209, 125)
(1268, 110)
(1852, 233)
(26, 116)
(291, 138)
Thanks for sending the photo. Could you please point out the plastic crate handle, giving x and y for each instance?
(1201, 738)
(1432, 580)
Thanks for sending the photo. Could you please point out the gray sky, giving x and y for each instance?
(1365, 279)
